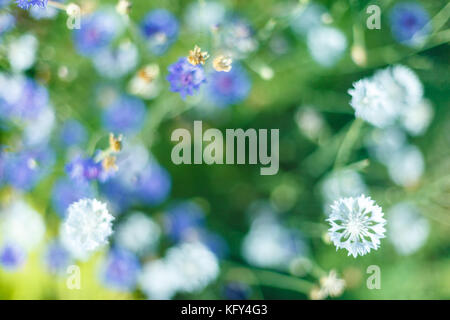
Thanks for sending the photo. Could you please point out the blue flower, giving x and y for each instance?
(7, 22)
(12, 257)
(73, 133)
(24, 169)
(182, 219)
(153, 185)
(56, 258)
(66, 191)
(84, 169)
(236, 291)
(117, 194)
(185, 78)
(26, 4)
(98, 31)
(120, 270)
(409, 23)
(125, 115)
(227, 88)
(160, 28)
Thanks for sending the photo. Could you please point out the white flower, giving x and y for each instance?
(331, 285)
(159, 280)
(139, 233)
(87, 227)
(383, 143)
(406, 166)
(417, 118)
(357, 225)
(195, 265)
(22, 225)
(372, 104)
(408, 229)
(22, 52)
(326, 45)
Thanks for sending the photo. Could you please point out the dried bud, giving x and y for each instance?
(222, 63)
(196, 56)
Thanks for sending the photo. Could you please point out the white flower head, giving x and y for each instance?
(139, 233)
(158, 280)
(87, 227)
(406, 166)
(196, 265)
(331, 285)
(326, 45)
(357, 225)
(408, 229)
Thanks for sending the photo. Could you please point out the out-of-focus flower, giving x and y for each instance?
(87, 226)
(7, 22)
(22, 52)
(138, 233)
(340, 184)
(56, 258)
(21, 98)
(236, 291)
(269, 244)
(228, 88)
(331, 285)
(357, 225)
(197, 56)
(306, 17)
(116, 62)
(12, 257)
(183, 219)
(202, 16)
(383, 143)
(84, 169)
(120, 270)
(22, 225)
(99, 30)
(123, 7)
(416, 119)
(26, 4)
(26, 168)
(195, 264)
(410, 23)
(237, 37)
(406, 166)
(66, 191)
(38, 131)
(326, 45)
(222, 63)
(47, 12)
(310, 122)
(185, 78)
(408, 229)
(159, 280)
(160, 28)
(153, 184)
(124, 115)
(145, 83)
(73, 133)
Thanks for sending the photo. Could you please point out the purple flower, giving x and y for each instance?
(409, 23)
(56, 258)
(73, 133)
(66, 192)
(98, 30)
(12, 257)
(24, 169)
(125, 115)
(182, 219)
(26, 4)
(160, 28)
(153, 185)
(185, 78)
(120, 270)
(227, 88)
(84, 169)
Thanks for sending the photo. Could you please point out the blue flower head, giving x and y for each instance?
(120, 270)
(66, 191)
(26, 4)
(73, 133)
(160, 28)
(185, 78)
(12, 257)
(125, 115)
(97, 32)
(153, 185)
(409, 23)
(227, 88)
(182, 219)
(84, 169)
(56, 258)
(236, 291)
